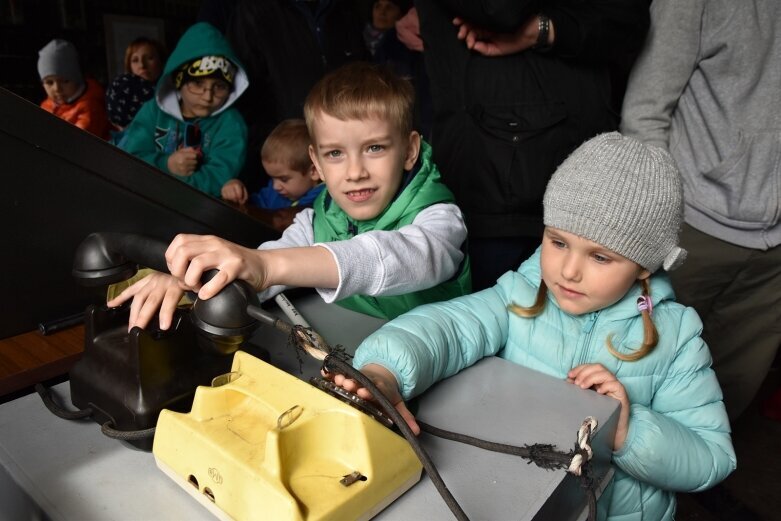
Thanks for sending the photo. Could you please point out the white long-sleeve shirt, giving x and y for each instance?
(417, 256)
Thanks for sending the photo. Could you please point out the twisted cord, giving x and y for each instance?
(57, 409)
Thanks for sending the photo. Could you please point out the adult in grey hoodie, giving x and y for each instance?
(708, 86)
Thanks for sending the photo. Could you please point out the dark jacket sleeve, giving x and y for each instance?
(593, 31)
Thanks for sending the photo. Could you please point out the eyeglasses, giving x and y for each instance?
(218, 89)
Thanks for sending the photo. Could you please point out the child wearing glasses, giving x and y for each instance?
(190, 128)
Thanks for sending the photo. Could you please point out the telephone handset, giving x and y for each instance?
(105, 258)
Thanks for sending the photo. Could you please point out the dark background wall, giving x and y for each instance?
(27, 25)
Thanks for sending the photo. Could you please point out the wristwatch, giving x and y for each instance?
(543, 26)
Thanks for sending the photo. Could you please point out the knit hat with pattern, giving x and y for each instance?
(59, 57)
(623, 194)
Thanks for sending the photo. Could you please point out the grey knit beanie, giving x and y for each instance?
(60, 57)
(623, 194)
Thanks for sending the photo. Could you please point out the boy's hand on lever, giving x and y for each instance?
(385, 382)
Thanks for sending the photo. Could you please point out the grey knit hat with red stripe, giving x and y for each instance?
(620, 193)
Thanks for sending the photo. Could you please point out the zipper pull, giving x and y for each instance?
(589, 324)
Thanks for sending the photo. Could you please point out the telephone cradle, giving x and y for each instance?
(127, 378)
(261, 443)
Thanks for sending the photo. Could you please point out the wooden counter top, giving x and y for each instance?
(30, 358)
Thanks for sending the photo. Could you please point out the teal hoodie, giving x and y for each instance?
(421, 188)
(158, 129)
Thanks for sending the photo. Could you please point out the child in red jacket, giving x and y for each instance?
(69, 96)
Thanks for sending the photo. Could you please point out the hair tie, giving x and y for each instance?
(644, 304)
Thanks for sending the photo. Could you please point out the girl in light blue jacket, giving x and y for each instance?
(592, 306)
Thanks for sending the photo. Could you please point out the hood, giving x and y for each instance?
(201, 39)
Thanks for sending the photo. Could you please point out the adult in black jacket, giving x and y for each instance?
(505, 119)
(286, 46)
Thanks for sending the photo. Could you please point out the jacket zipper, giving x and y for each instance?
(587, 328)
(351, 228)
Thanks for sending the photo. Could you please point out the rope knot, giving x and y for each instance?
(583, 450)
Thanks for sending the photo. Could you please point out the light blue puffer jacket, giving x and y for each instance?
(678, 438)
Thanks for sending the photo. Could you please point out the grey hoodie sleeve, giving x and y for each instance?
(663, 69)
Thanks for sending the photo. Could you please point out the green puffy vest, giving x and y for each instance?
(423, 189)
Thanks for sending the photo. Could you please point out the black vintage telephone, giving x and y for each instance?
(124, 379)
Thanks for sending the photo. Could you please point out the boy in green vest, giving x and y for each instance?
(383, 238)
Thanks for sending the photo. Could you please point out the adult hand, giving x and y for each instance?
(598, 378)
(189, 256)
(155, 292)
(385, 382)
(490, 43)
(183, 162)
(408, 30)
(234, 191)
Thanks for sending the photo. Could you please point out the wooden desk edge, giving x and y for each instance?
(30, 358)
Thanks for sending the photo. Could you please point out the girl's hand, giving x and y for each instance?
(183, 162)
(385, 382)
(156, 291)
(596, 377)
(189, 256)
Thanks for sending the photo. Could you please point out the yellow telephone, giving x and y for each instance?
(260, 443)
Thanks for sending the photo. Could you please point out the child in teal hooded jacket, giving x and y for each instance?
(593, 307)
(190, 129)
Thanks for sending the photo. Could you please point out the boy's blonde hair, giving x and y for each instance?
(650, 335)
(288, 144)
(362, 90)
